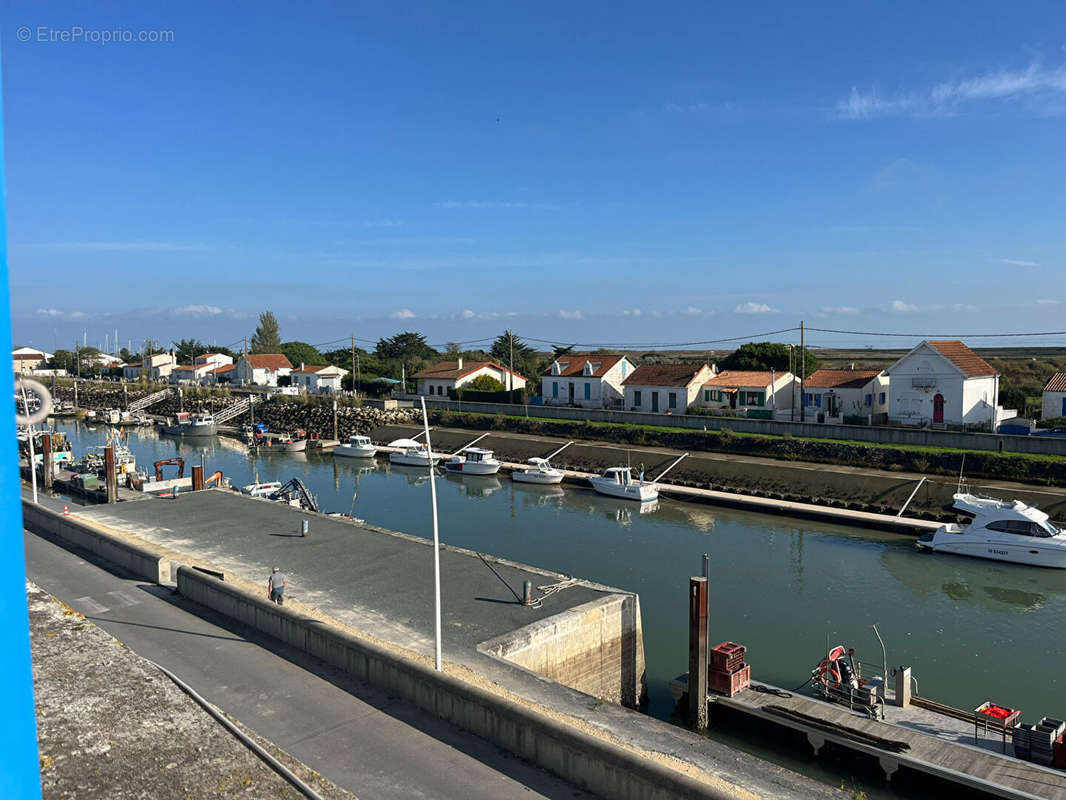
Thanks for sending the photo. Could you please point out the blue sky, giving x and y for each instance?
(595, 172)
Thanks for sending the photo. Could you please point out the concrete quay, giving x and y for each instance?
(360, 598)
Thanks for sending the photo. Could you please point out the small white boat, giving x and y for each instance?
(473, 461)
(413, 454)
(1001, 530)
(356, 447)
(619, 482)
(286, 444)
(186, 424)
(540, 471)
(263, 489)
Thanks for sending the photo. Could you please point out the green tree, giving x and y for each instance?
(151, 347)
(764, 356)
(406, 347)
(125, 355)
(266, 338)
(485, 383)
(302, 353)
(508, 349)
(63, 359)
(188, 349)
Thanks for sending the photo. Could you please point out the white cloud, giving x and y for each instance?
(1044, 88)
(963, 307)
(571, 315)
(1047, 302)
(55, 312)
(197, 311)
(468, 314)
(753, 308)
(899, 305)
(1014, 262)
(382, 223)
(403, 313)
(134, 245)
(839, 310)
(692, 311)
(631, 312)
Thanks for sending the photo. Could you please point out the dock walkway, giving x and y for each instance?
(941, 751)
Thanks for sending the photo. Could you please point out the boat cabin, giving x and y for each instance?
(623, 476)
(1006, 516)
(476, 455)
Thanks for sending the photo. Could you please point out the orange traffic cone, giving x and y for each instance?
(66, 510)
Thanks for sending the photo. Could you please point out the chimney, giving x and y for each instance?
(301, 366)
(460, 360)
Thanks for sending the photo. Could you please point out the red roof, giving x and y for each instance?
(1057, 383)
(840, 378)
(450, 370)
(28, 357)
(223, 368)
(972, 365)
(742, 377)
(664, 374)
(572, 364)
(314, 369)
(271, 361)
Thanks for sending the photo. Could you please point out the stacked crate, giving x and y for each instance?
(1043, 740)
(728, 673)
(1022, 737)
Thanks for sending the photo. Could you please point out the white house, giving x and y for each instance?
(131, 372)
(318, 378)
(830, 395)
(262, 369)
(224, 374)
(190, 373)
(214, 359)
(158, 367)
(748, 390)
(439, 378)
(1055, 397)
(664, 388)
(943, 383)
(32, 351)
(26, 363)
(586, 380)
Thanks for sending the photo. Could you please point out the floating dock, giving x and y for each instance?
(913, 738)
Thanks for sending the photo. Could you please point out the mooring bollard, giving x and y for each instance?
(304, 526)
(527, 593)
(697, 653)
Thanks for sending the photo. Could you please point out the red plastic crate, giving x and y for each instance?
(1059, 753)
(727, 656)
(729, 683)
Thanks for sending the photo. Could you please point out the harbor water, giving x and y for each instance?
(971, 630)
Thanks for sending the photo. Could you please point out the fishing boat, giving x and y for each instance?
(356, 447)
(285, 443)
(619, 482)
(186, 424)
(261, 489)
(473, 461)
(413, 454)
(539, 471)
(1001, 530)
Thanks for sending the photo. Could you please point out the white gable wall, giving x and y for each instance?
(919, 376)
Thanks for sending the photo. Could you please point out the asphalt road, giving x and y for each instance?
(374, 745)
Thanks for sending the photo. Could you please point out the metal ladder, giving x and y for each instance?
(152, 399)
(235, 410)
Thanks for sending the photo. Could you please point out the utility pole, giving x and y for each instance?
(803, 375)
(510, 362)
(244, 355)
(355, 391)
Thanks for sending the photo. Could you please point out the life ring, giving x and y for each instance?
(829, 668)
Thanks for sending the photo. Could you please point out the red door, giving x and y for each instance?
(938, 408)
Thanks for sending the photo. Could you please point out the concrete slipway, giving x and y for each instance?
(573, 656)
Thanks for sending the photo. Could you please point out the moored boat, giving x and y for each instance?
(413, 454)
(261, 489)
(619, 482)
(1001, 530)
(356, 447)
(196, 424)
(540, 471)
(473, 461)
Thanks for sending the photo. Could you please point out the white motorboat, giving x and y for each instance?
(473, 461)
(619, 482)
(186, 424)
(286, 444)
(540, 471)
(1001, 530)
(413, 454)
(356, 447)
(264, 489)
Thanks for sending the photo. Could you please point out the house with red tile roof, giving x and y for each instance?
(318, 378)
(586, 380)
(223, 374)
(26, 363)
(664, 388)
(1054, 404)
(754, 392)
(439, 378)
(262, 369)
(214, 359)
(835, 395)
(944, 383)
(189, 373)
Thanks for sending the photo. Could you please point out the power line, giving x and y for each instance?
(663, 345)
(941, 335)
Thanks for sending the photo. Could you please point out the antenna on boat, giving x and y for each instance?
(436, 539)
(962, 466)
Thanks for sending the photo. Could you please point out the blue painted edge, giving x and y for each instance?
(19, 765)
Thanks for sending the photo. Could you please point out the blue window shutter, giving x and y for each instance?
(818, 400)
(588, 390)
(555, 388)
(882, 400)
(869, 399)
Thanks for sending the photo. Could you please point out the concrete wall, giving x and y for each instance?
(588, 762)
(1054, 405)
(142, 563)
(859, 433)
(596, 648)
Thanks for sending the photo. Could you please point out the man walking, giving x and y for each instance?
(276, 586)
